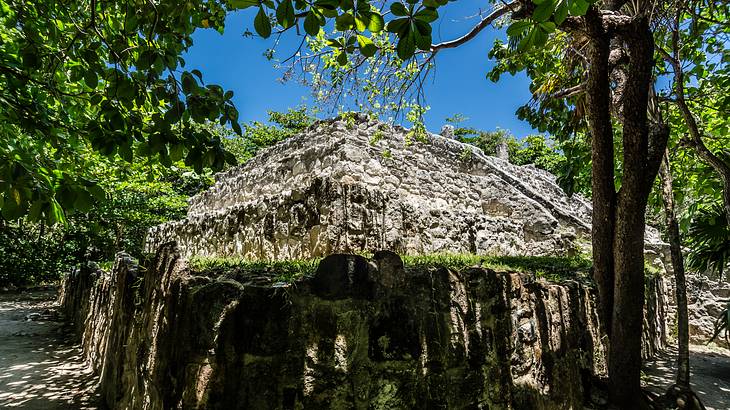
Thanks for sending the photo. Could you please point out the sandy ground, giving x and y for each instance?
(39, 368)
(710, 374)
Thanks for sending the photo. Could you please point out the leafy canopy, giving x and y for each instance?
(104, 75)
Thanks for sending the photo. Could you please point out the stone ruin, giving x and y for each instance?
(367, 186)
(359, 333)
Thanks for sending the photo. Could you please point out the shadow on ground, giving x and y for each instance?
(39, 367)
(710, 374)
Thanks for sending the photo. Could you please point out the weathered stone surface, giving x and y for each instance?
(707, 298)
(382, 337)
(368, 187)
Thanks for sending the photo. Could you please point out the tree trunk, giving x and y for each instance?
(679, 277)
(624, 364)
(598, 104)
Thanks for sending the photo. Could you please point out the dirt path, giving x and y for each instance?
(39, 368)
(710, 374)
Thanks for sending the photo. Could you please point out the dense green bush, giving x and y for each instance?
(33, 252)
(138, 196)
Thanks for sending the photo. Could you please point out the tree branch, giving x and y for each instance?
(486, 21)
(569, 92)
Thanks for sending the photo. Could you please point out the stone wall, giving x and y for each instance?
(363, 185)
(707, 299)
(358, 334)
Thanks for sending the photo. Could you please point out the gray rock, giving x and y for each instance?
(447, 131)
(338, 188)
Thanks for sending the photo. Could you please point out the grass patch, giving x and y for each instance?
(240, 269)
(555, 269)
(549, 267)
(106, 265)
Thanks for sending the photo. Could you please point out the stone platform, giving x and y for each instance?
(364, 185)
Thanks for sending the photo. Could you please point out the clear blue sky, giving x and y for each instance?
(459, 85)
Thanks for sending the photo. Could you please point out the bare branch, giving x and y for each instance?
(486, 21)
(569, 92)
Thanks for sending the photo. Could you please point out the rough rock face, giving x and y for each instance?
(360, 333)
(364, 186)
(707, 298)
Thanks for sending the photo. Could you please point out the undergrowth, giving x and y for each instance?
(551, 268)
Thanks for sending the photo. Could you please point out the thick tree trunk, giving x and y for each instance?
(624, 364)
(604, 192)
(675, 246)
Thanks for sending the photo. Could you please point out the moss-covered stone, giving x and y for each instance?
(360, 333)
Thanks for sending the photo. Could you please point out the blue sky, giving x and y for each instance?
(459, 85)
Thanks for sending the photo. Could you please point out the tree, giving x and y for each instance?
(257, 135)
(104, 75)
(675, 244)
(542, 151)
(693, 38)
(137, 196)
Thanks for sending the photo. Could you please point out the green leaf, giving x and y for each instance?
(91, 79)
(188, 83)
(543, 11)
(398, 9)
(367, 48)
(398, 26)
(376, 23)
(344, 22)
(56, 214)
(406, 46)
(518, 27)
(243, 4)
(434, 3)
(262, 24)
(311, 24)
(423, 35)
(285, 14)
(361, 24)
(540, 37)
(176, 152)
(561, 12)
(548, 26)
(578, 7)
(83, 201)
(427, 15)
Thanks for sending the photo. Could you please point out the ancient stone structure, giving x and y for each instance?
(358, 333)
(707, 299)
(364, 334)
(364, 186)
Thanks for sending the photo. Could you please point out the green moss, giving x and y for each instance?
(106, 265)
(650, 272)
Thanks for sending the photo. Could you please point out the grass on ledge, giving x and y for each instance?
(551, 268)
(238, 268)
